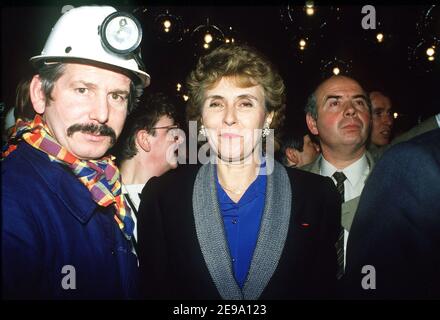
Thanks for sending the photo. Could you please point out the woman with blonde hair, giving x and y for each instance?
(240, 226)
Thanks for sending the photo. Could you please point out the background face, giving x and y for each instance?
(87, 95)
(233, 117)
(163, 144)
(382, 120)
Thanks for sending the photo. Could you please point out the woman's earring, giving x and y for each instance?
(202, 131)
(266, 130)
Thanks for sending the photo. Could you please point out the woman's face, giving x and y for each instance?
(233, 118)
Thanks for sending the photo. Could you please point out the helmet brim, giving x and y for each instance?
(139, 77)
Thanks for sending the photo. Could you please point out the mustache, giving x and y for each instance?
(102, 130)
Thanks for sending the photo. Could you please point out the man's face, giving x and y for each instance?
(343, 121)
(87, 110)
(382, 120)
(163, 145)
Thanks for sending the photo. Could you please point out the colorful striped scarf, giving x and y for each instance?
(101, 177)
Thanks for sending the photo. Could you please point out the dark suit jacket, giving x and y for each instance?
(177, 263)
(397, 226)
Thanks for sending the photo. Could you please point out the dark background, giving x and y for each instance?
(275, 30)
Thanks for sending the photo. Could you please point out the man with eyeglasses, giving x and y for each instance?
(147, 146)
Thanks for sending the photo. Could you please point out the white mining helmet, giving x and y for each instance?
(96, 33)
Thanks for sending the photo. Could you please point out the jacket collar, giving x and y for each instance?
(315, 166)
(62, 183)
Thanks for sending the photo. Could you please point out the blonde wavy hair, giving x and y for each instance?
(247, 67)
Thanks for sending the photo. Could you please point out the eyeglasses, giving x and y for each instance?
(174, 126)
(169, 128)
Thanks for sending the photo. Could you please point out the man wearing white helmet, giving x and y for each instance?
(67, 230)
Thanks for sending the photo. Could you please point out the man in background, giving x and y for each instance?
(339, 112)
(382, 119)
(147, 145)
(299, 147)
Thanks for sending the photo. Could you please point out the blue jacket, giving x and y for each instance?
(50, 222)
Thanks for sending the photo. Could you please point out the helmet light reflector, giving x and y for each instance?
(121, 33)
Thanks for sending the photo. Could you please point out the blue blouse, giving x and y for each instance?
(242, 223)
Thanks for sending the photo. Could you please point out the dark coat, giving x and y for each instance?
(183, 252)
(396, 229)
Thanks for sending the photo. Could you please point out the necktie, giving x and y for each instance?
(340, 178)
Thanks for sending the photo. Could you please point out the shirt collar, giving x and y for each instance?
(354, 172)
(132, 188)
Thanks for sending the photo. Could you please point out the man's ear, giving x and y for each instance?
(293, 156)
(36, 95)
(311, 124)
(142, 140)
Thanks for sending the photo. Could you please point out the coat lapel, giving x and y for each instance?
(348, 211)
(273, 233)
(211, 234)
(349, 208)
